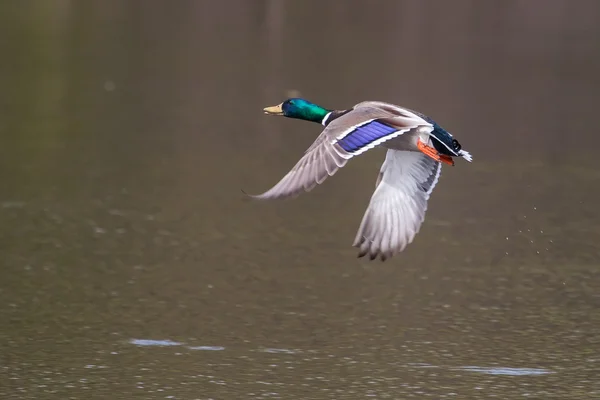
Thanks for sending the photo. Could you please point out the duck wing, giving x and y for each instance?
(398, 205)
(366, 126)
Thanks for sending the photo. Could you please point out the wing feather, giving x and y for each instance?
(398, 205)
(325, 156)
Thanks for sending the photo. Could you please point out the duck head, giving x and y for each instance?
(299, 109)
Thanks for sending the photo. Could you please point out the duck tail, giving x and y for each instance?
(466, 155)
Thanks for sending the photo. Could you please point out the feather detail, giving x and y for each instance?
(347, 136)
(398, 205)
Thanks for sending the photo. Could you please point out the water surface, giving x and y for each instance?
(133, 266)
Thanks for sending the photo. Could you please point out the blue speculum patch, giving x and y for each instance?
(364, 135)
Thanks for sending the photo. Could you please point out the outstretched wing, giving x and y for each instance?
(351, 134)
(398, 205)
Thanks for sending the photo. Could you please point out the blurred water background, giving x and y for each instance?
(133, 267)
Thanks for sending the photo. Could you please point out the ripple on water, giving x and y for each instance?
(150, 342)
(507, 371)
(280, 351)
(207, 348)
(167, 343)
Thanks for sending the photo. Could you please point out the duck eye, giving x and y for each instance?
(456, 145)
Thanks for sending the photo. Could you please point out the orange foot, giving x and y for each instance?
(447, 160)
(433, 153)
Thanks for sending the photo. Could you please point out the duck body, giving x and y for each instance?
(417, 146)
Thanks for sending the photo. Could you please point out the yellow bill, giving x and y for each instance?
(274, 110)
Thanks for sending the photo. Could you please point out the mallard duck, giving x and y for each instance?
(417, 147)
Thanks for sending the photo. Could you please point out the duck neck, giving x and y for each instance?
(312, 113)
(332, 115)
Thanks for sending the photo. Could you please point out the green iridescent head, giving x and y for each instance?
(300, 109)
